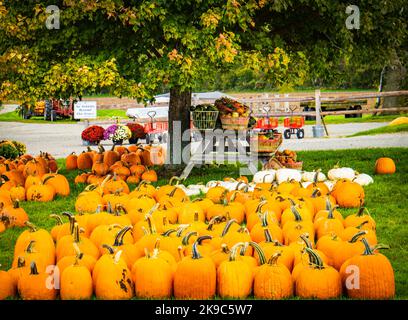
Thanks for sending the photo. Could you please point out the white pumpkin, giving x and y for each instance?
(329, 184)
(341, 173)
(310, 176)
(201, 187)
(251, 188)
(363, 179)
(288, 175)
(212, 183)
(306, 183)
(266, 176)
(230, 185)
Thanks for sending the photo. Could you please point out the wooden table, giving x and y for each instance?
(223, 147)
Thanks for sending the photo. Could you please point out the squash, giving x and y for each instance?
(112, 278)
(76, 283)
(376, 275)
(153, 276)
(363, 179)
(288, 175)
(195, 277)
(264, 176)
(7, 288)
(235, 276)
(33, 285)
(58, 182)
(273, 280)
(71, 162)
(385, 166)
(318, 280)
(341, 173)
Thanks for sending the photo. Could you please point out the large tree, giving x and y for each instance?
(135, 48)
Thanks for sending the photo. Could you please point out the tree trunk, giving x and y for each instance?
(178, 145)
(394, 77)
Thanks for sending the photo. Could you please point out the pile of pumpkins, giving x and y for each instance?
(274, 242)
(28, 178)
(129, 164)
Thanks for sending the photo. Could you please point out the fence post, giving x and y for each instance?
(277, 104)
(286, 104)
(318, 130)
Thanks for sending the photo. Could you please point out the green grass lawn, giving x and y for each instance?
(108, 113)
(385, 129)
(365, 118)
(102, 114)
(15, 117)
(386, 199)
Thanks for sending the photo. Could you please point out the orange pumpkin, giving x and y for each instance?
(115, 184)
(34, 168)
(58, 182)
(385, 166)
(42, 193)
(110, 157)
(17, 216)
(85, 160)
(71, 162)
(149, 175)
(18, 193)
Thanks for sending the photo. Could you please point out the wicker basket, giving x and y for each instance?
(297, 165)
(266, 146)
(231, 123)
(204, 120)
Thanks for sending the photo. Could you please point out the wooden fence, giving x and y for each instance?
(318, 99)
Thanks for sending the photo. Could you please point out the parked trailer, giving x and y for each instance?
(336, 106)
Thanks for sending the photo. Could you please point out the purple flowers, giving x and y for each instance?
(109, 132)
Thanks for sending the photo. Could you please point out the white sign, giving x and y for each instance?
(85, 110)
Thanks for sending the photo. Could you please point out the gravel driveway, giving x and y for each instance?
(61, 139)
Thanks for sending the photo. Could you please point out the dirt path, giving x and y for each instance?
(61, 139)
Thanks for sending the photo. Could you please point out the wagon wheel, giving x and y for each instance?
(286, 134)
(165, 137)
(300, 133)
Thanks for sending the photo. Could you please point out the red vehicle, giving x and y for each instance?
(63, 109)
(267, 123)
(294, 125)
(156, 129)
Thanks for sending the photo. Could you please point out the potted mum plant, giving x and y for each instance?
(92, 135)
(137, 131)
(117, 133)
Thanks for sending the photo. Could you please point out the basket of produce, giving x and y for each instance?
(204, 116)
(234, 123)
(284, 159)
(288, 158)
(233, 114)
(267, 142)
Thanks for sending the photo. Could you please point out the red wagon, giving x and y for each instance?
(267, 123)
(156, 129)
(294, 126)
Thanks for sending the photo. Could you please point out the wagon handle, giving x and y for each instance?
(152, 114)
(267, 109)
